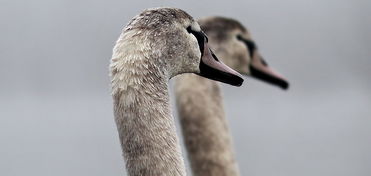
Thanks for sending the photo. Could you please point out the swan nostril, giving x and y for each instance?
(214, 56)
(263, 61)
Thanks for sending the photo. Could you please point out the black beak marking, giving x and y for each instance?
(268, 78)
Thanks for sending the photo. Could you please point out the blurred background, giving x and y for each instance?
(56, 110)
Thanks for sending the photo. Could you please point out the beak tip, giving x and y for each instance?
(238, 81)
(239, 84)
(285, 85)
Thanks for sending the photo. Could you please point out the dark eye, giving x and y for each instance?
(250, 44)
(200, 36)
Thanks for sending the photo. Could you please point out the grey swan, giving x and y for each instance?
(199, 101)
(155, 46)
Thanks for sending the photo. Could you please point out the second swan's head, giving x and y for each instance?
(169, 41)
(233, 43)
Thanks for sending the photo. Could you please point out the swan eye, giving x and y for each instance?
(250, 44)
(200, 36)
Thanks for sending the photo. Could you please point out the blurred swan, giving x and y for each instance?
(199, 101)
(155, 46)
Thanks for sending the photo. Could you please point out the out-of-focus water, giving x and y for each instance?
(56, 112)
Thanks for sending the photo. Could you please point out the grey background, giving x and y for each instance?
(56, 113)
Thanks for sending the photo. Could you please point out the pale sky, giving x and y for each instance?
(56, 111)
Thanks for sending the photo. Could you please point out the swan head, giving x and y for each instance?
(233, 44)
(171, 41)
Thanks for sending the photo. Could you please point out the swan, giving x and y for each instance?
(155, 46)
(199, 101)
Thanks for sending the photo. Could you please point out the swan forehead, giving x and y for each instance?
(152, 19)
(221, 28)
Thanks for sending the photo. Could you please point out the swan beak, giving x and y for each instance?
(212, 68)
(260, 70)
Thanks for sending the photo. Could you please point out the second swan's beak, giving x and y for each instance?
(260, 70)
(212, 68)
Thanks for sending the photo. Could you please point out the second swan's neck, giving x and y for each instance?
(145, 125)
(204, 126)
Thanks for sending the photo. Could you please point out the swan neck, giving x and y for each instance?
(204, 126)
(146, 127)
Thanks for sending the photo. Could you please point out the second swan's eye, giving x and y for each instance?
(200, 36)
(250, 44)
